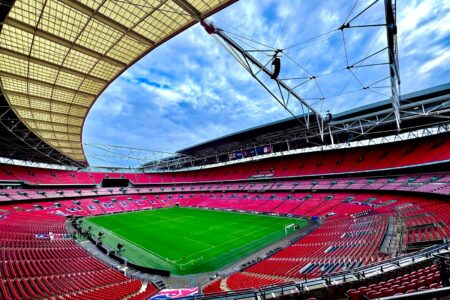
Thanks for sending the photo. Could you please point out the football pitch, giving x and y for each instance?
(187, 241)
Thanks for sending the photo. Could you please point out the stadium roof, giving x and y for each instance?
(56, 58)
(425, 112)
(283, 127)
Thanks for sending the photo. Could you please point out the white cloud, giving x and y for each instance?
(330, 18)
(190, 89)
(440, 57)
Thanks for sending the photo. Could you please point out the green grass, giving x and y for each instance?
(188, 241)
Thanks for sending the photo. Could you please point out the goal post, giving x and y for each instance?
(290, 228)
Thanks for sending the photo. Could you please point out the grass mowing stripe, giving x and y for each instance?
(133, 243)
(225, 242)
(185, 240)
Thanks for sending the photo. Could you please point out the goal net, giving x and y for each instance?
(288, 229)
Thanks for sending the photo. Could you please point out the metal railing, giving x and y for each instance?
(428, 294)
(338, 278)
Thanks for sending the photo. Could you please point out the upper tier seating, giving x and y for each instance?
(436, 183)
(393, 155)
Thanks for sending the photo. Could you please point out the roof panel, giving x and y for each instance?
(48, 50)
(15, 39)
(62, 95)
(76, 111)
(74, 129)
(82, 100)
(57, 118)
(27, 11)
(19, 101)
(39, 104)
(162, 22)
(39, 90)
(24, 113)
(63, 21)
(75, 121)
(59, 108)
(127, 13)
(47, 134)
(41, 115)
(13, 65)
(127, 49)
(98, 36)
(42, 73)
(11, 84)
(56, 56)
(104, 70)
(94, 4)
(79, 61)
(33, 125)
(68, 80)
(61, 136)
(91, 87)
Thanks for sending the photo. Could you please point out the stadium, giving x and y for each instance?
(318, 202)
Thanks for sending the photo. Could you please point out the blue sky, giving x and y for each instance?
(190, 90)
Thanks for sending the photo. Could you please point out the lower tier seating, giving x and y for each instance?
(213, 287)
(419, 280)
(348, 239)
(149, 291)
(240, 281)
(39, 258)
(113, 291)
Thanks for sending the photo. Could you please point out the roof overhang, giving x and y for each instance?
(58, 56)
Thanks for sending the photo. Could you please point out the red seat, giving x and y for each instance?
(4, 293)
(363, 289)
(354, 294)
(435, 286)
(387, 292)
(374, 295)
(399, 289)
